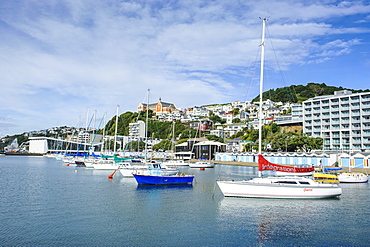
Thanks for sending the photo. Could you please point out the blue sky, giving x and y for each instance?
(60, 58)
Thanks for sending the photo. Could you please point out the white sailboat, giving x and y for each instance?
(276, 187)
(174, 162)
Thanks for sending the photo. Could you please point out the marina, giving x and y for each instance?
(46, 203)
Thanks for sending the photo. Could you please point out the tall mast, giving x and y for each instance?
(115, 131)
(84, 137)
(103, 141)
(146, 126)
(261, 86)
(173, 137)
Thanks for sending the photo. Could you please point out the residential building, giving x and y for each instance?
(219, 131)
(232, 129)
(137, 131)
(297, 111)
(234, 145)
(342, 120)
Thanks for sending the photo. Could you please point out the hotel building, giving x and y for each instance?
(342, 120)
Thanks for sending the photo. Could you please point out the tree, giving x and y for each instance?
(217, 119)
(215, 138)
(163, 145)
(235, 111)
(291, 142)
(135, 146)
(274, 128)
(248, 147)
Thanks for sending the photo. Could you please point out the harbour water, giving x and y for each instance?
(46, 203)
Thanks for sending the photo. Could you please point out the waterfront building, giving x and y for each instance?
(43, 145)
(342, 120)
(199, 148)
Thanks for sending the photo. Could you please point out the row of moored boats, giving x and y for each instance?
(150, 173)
(289, 182)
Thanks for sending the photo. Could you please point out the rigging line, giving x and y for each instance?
(293, 88)
(145, 97)
(244, 81)
(268, 84)
(277, 62)
(254, 73)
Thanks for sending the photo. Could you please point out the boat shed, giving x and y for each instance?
(208, 149)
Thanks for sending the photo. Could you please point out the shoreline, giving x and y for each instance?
(251, 164)
(22, 154)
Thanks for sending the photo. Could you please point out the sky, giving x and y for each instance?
(61, 61)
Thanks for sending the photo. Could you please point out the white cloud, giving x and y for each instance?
(60, 58)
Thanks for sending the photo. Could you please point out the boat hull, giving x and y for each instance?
(254, 190)
(126, 172)
(80, 163)
(201, 165)
(353, 178)
(175, 163)
(163, 180)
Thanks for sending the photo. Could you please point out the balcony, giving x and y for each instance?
(355, 106)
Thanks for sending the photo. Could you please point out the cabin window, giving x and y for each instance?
(286, 182)
(303, 182)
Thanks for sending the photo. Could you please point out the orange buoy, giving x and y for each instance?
(202, 168)
(68, 164)
(111, 176)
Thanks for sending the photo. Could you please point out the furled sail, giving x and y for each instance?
(264, 165)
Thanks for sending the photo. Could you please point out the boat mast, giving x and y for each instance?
(146, 127)
(261, 86)
(261, 90)
(115, 131)
(84, 137)
(103, 141)
(173, 138)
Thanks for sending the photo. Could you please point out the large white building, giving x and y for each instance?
(136, 131)
(342, 120)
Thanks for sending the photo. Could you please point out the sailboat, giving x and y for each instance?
(174, 162)
(156, 174)
(291, 187)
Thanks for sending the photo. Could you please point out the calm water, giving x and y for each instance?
(45, 203)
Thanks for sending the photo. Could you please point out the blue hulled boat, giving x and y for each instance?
(155, 175)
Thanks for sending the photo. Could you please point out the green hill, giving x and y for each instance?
(299, 93)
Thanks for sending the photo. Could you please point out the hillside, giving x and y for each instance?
(299, 93)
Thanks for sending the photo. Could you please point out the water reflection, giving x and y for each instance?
(164, 187)
(278, 219)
